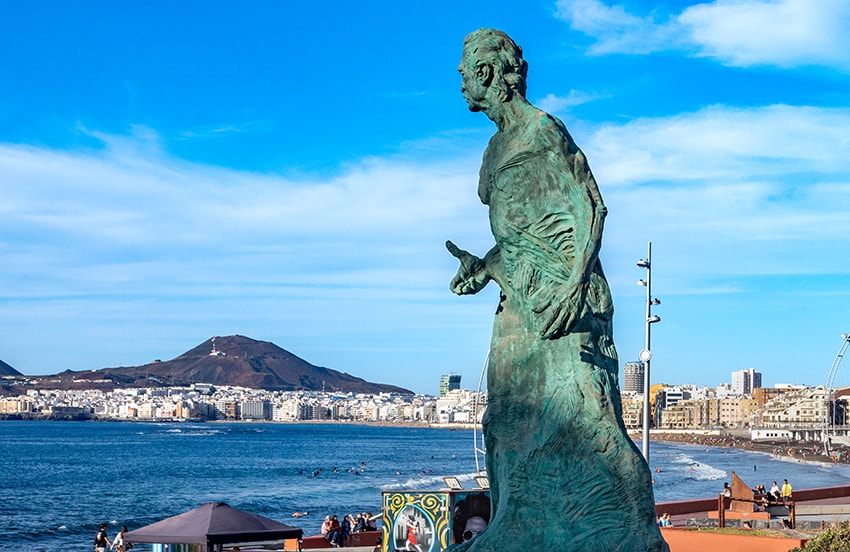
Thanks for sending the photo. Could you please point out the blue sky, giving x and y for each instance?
(290, 171)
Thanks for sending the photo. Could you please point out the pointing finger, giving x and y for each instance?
(454, 250)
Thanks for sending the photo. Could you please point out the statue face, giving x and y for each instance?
(471, 86)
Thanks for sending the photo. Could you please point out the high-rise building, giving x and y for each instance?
(755, 380)
(744, 381)
(633, 377)
(449, 382)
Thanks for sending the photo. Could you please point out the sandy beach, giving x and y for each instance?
(797, 451)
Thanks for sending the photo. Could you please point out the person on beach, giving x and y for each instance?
(786, 491)
(101, 540)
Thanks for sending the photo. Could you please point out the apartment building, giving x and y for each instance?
(801, 408)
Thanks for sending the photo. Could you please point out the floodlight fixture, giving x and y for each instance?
(453, 484)
(482, 482)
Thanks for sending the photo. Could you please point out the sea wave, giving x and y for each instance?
(190, 432)
(688, 467)
(426, 482)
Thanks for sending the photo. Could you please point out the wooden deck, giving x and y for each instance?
(811, 506)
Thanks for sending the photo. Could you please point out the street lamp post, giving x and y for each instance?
(646, 353)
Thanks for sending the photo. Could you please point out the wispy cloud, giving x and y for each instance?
(127, 233)
(555, 104)
(742, 183)
(225, 129)
(116, 208)
(784, 33)
(745, 185)
(201, 250)
(724, 143)
(616, 30)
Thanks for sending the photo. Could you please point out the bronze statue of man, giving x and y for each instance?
(564, 475)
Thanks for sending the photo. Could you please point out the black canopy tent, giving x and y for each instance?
(213, 525)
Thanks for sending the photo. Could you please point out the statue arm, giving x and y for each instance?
(474, 273)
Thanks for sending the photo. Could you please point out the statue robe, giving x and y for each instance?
(564, 474)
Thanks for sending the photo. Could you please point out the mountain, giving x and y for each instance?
(6, 370)
(230, 360)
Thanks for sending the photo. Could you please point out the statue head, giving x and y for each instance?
(491, 62)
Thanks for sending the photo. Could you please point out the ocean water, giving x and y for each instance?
(60, 480)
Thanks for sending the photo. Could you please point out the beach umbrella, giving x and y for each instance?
(211, 526)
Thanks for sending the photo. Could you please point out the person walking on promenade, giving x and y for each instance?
(118, 541)
(786, 491)
(101, 540)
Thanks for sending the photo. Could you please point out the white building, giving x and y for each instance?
(744, 381)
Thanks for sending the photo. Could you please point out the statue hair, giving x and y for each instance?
(498, 50)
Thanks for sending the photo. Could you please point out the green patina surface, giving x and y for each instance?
(564, 474)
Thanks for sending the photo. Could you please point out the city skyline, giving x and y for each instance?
(291, 172)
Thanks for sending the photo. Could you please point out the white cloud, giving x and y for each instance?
(745, 185)
(109, 214)
(148, 253)
(615, 29)
(132, 250)
(555, 104)
(785, 33)
(723, 143)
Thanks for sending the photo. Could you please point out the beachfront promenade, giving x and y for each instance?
(814, 508)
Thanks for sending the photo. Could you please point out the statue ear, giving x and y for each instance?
(484, 74)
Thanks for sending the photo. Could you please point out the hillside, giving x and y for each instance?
(230, 360)
(6, 370)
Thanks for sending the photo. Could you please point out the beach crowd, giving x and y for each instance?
(337, 533)
(797, 450)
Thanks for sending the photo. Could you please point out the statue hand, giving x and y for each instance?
(471, 276)
(561, 311)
